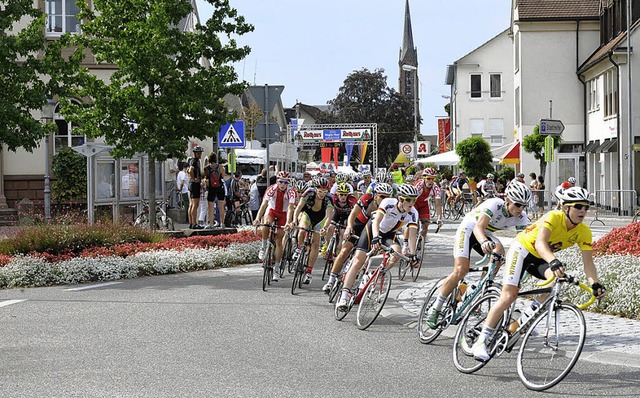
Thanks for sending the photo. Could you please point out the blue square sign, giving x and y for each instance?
(231, 135)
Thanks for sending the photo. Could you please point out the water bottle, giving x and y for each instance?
(515, 321)
(462, 289)
(365, 279)
(528, 312)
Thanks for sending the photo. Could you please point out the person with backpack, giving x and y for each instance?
(195, 178)
(215, 189)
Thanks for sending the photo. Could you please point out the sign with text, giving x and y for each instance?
(333, 135)
(551, 127)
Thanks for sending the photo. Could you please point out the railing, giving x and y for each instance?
(614, 203)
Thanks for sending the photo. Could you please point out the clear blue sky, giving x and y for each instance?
(310, 46)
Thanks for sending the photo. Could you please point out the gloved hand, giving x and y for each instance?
(598, 290)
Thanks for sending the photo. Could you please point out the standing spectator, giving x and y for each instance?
(262, 183)
(533, 184)
(540, 194)
(215, 189)
(171, 170)
(195, 180)
(398, 174)
(182, 184)
(255, 199)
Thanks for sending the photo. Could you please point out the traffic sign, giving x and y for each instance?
(264, 132)
(406, 149)
(548, 149)
(231, 135)
(266, 96)
(551, 127)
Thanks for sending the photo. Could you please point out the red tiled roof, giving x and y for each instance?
(558, 9)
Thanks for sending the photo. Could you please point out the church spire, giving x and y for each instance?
(408, 53)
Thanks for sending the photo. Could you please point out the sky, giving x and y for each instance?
(310, 46)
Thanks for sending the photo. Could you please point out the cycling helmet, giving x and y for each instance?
(518, 192)
(384, 189)
(574, 194)
(410, 178)
(429, 172)
(283, 175)
(341, 178)
(302, 185)
(322, 183)
(407, 191)
(343, 188)
(366, 173)
(490, 176)
(383, 176)
(572, 180)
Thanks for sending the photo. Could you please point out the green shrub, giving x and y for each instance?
(57, 239)
(70, 172)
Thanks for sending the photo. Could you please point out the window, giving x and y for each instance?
(593, 95)
(64, 136)
(495, 81)
(496, 131)
(407, 85)
(476, 127)
(61, 16)
(610, 93)
(516, 62)
(476, 86)
(517, 103)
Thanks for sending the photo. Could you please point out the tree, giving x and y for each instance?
(364, 97)
(534, 144)
(30, 71)
(169, 82)
(475, 157)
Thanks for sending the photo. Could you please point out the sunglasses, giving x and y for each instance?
(408, 200)
(580, 206)
(430, 178)
(383, 196)
(343, 194)
(519, 205)
(283, 182)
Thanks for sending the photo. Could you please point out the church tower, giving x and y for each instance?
(408, 62)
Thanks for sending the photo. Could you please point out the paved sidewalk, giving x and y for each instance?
(610, 339)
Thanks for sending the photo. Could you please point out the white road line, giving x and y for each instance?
(75, 289)
(9, 302)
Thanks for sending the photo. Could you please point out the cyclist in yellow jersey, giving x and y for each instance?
(533, 252)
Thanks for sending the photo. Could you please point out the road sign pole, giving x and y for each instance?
(266, 122)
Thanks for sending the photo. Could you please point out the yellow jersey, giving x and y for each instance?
(560, 237)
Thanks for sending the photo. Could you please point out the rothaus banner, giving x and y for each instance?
(333, 135)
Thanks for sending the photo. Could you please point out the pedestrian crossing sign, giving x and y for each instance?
(231, 135)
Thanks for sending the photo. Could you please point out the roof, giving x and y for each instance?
(603, 51)
(536, 10)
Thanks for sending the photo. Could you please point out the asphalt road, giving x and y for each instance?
(217, 334)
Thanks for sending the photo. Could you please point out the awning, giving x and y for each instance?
(450, 158)
(507, 154)
(613, 147)
(591, 146)
(602, 148)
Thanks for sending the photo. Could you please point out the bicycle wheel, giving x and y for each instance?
(469, 331)
(425, 334)
(267, 265)
(339, 313)
(329, 257)
(551, 346)
(335, 289)
(373, 299)
(303, 264)
(403, 267)
(287, 252)
(297, 275)
(415, 271)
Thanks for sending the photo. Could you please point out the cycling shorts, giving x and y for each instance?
(423, 210)
(364, 243)
(305, 217)
(520, 260)
(465, 240)
(213, 193)
(358, 227)
(279, 216)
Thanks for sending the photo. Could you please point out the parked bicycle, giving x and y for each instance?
(459, 301)
(552, 338)
(163, 221)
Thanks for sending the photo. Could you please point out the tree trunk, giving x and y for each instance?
(152, 192)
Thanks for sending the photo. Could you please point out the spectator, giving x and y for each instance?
(195, 187)
(215, 189)
(182, 186)
(539, 194)
(533, 187)
(254, 198)
(262, 184)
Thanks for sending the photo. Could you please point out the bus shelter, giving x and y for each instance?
(118, 185)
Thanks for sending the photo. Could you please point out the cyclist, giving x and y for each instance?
(383, 177)
(571, 182)
(427, 188)
(486, 188)
(341, 178)
(278, 204)
(364, 183)
(358, 218)
(475, 232)
(533, 252)
(314, 210)
(391, 215)
(343, 202)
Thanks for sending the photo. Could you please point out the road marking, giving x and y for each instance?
(75, 289)
(9, 302)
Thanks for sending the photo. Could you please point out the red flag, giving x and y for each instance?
(325, 154)
(335, 155)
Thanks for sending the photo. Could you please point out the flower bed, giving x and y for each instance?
(128, 260)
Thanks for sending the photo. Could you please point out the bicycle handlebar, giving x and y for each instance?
(389, 250)
(574, 281)
(485, 260)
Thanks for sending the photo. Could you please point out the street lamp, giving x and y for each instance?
(47, 116)
(415, 107)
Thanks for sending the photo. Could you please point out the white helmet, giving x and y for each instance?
(574, 194)
(518, 192)
(572, 180)
(407, 191)
(383, 188)
(366, 173)
(383, 176)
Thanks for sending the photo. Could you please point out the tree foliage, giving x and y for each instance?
(31, 72)
(475, 157)
(169, 81)
(70, 171)
(534, 144)
(364, 97)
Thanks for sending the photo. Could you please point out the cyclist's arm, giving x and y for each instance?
(439, 207)
(589, 267)
(291, 209)
(375, 223)
(261, 211)
(413, 235)
(328, 216)
(351, 220)
(541, 245)
(299, 208)
(480, 227)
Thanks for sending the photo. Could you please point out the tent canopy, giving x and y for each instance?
(450, 158)
(507, 154)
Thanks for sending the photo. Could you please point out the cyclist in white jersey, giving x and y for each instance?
(475, 232)
(391, 215)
